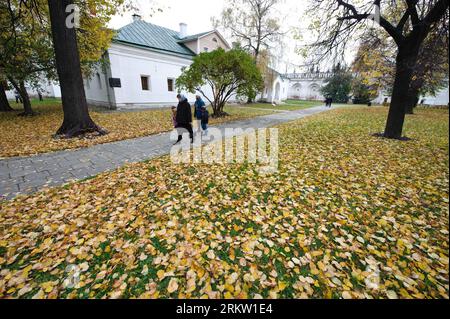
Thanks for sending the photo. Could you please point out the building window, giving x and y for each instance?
(99, 81)
(170, 85)
(145, 82)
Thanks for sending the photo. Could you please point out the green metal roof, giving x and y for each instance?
(193, 37)
(144, 34)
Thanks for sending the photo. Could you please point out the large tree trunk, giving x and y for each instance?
(406, 61)
(77, 120)
(4, 104)
(218, 106)
(27, 110)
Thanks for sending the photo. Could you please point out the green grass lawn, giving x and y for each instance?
(289, 105)
(304, 102)
(348, 215)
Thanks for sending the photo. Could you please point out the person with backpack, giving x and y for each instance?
(18, 97)
(198, 111)
(204, 120)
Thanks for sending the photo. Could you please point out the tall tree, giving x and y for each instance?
(254, 24)
(361, 92)
(77, 120)
(26, 41)
(225, 72)
(25, 49)
(431, 71)
(341, 19)
(338, 87)
(4, 103)
(375, 64)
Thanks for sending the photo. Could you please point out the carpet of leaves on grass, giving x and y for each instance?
(348, 215)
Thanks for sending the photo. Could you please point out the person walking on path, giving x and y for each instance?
(328, 101)
(184, 117)
(198, 111)
(204, 120)
(17, 96)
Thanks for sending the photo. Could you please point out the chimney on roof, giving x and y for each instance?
(136, 17)
(183, 30)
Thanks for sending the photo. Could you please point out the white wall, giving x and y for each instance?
(270, 87)
(285, 89)
(129, 64)
(441, 98)
(48, 89)
(96, 88)
(306, 89)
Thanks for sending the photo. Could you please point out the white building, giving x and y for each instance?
(276, 88)
(144, 62)
(47, 89)
(441, 98)
(306, 86)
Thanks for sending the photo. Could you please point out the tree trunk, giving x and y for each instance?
(218, 108)
(27, 110)
(215, 109)
(77, 120)
(22, 90)
(406, 61)
(413, 100)
(4, 104)
(416, 101)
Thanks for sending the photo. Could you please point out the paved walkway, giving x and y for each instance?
(29, 174)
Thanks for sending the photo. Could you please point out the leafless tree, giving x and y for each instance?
(252, 22)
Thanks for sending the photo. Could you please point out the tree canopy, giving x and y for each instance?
(226, 73)
(255, 25)
(408, 23)
(338, 87)
(375, 64)
(26, 44)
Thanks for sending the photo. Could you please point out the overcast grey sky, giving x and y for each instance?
(198, 13)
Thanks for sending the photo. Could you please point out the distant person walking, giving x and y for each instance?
(328, 101)
(198, 105)
(17, 96)
(184, 117)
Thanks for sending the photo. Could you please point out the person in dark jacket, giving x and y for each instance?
(204, 120)
(198, 111)
(184, 117)
(17, 96)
